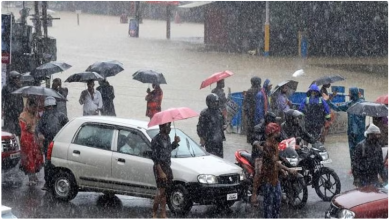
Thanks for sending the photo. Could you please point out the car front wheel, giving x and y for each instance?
(179, 200)
(64, 186)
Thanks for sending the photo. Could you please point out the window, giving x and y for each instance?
(97, 136)
(131, 142)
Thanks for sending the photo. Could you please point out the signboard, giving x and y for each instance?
(6, 30)
(232, 107)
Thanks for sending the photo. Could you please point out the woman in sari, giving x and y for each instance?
(31, 154)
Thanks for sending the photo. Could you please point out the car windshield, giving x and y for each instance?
(187, 146)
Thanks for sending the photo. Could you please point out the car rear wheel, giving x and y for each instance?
(179, 200)
(64, 186)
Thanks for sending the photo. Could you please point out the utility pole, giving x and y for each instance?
(266, 30)
(168, 21)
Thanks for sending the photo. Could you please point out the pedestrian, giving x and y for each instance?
(48, 126)
(267, 87)
(108, 96)
(316, 111)
(218, 90)
(328, 123)
(211, 126)
(367, 160)
(270, 172)
(257, 152)
(161, 155)
(324, 90)
(91, 100)
(249, 106)
(283, 104)
(61, 104)
(12, 104)
(31, 153)
(261, 101)
(153, 100)
(382, 124)
(356, 123)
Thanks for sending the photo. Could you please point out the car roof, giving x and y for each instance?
(117, 121)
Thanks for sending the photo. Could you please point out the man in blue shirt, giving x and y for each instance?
(316, 111)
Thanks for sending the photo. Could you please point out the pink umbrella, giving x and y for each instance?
(215, 78)
(171, 115)
(382, 99)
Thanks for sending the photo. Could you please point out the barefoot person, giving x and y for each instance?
(161, 156)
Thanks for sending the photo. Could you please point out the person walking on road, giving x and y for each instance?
(91, 100)
(270, 172)
(211, 126)
(31, 154)
(48, 126)
(316, 112)
(61, 104)
(367, 160)
(12, 104)
(161, 155)
(249, 106)
(153, 100)
(108, 96)
(356, 123)
(222, 97)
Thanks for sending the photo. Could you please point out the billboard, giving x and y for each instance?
(6, 30)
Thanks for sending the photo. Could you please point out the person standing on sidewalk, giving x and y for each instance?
(249, 106)
(108, 96)
(48, 126)
(161, 155)
(153, 100)
(61, 104)
(91, 100)
(270, 172)
(222, 97)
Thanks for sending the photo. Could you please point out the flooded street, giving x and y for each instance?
(185, 62)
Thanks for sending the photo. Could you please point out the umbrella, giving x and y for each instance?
(44, 70)
(368, 109)
(40, 91)
(149, 76)
(215, 78)
(171, 115)
(328, 80)
(291, 84)
(84, 77)
(26, 77)
(106, 68)
(382, 99)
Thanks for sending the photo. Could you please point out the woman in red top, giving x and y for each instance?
(31, 154)
(153, 99)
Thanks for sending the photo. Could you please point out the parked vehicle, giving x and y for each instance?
(293, 187)
(86, 155)
(365, 202)
(6, 213)
(10, 151)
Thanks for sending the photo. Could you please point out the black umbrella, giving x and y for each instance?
(327, 80)
(106, 68)
(291, 85)
(84, 77)
(44, 70)
(368, 109)
(38, 90)
(149, 76)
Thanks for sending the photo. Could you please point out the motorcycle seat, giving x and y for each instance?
(247, 156)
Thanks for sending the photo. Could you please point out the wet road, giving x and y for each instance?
(185, 63)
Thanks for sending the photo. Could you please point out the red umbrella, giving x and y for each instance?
(382, 99)
(215, 78)
(171, 115)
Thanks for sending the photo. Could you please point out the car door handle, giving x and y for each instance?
(76, 152)
(121, 160)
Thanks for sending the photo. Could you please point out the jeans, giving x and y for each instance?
(272, 200)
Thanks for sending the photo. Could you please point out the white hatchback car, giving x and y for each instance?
(93, 154)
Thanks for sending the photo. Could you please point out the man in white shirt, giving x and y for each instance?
(91, 100)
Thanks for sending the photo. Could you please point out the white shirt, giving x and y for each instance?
(91, 105)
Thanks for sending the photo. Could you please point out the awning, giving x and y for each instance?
(194, 4)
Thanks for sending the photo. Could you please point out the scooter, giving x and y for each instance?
(323, 179)
(294, 188)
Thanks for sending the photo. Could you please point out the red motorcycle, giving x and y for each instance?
(293, 187)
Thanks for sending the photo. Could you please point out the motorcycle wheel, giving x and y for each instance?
(298, 193)
(327, 184)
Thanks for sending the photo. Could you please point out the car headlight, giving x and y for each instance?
(242, 176)
(207, 179)
(345, 213)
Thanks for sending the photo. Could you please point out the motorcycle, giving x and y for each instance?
(294, 189)
(312, 160)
